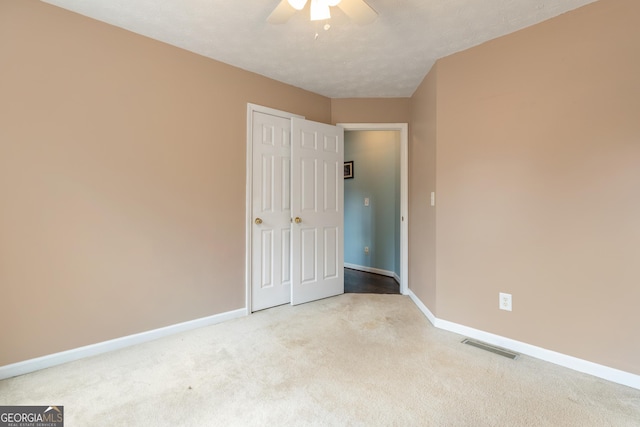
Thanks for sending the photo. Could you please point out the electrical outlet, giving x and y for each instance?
(505, 301)
(366, 250)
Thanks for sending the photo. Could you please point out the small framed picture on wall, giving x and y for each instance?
(348, 169)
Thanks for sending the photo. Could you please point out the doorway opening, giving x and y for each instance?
(376, 222)
(372, 211)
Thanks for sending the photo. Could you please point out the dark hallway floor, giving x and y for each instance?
(360, 282)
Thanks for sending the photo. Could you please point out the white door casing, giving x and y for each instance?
(317, 191)
(271, 211)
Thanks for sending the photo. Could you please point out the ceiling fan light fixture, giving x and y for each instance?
(297, 4)
(320, 10)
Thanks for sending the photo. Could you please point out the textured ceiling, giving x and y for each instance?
(388, 58)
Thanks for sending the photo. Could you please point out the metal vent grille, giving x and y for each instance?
(488, 347)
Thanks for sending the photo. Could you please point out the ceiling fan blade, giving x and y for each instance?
(358, 11)
(281, 13)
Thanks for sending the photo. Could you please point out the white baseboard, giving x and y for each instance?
(423, 308)
(373, 270)
(50, 360)
(580, 365)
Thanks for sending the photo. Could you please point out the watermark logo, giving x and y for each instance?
(32, 416)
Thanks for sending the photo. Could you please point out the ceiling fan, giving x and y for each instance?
(357, 10)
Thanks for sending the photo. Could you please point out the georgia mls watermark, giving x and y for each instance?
(31, 416)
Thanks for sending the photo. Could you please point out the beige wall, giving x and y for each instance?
(422, 181)
(370, 110)
(538, 172)
(122, 180)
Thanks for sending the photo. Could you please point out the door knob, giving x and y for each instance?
(258, 221)
(298, 220)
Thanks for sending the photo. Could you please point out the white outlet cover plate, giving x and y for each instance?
(505, 302)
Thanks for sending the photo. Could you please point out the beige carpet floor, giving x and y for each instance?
(352, 360)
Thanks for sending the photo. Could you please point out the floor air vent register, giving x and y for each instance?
(488, 347)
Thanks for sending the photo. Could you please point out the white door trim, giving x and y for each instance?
(404, 190)
(249, 190)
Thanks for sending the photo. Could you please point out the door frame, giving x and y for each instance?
(404, 190)
(251, 108)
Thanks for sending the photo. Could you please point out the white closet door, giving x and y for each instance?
(271, 207)
(317, 195)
